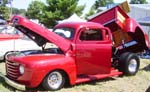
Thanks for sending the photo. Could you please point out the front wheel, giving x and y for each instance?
(54, 81)
(129, 63)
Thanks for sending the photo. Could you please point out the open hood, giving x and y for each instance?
(39, 34)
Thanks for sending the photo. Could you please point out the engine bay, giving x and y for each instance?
(48, 48)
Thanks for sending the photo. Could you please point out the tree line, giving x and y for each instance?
(52, 11)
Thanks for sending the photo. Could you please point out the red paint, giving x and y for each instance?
(9, 37)
(96, 77)
(41, 65)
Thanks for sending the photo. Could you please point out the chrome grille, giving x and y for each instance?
(12, 70)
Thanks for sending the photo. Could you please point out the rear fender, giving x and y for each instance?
(131, 26)
(147, 41)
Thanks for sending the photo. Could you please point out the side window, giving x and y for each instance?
(91, 35)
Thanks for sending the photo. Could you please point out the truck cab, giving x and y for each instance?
(89, 40)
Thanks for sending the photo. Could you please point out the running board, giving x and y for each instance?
(86, 78)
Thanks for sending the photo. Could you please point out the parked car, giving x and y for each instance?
(13, 40)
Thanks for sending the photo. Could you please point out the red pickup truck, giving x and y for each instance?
(73, 53)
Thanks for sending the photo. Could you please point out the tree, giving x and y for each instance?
(91, 12)
(3, 2)
(34, 11)
(4, 11)
(79, 9)
(60, 9)
(53, 11)
(102, 3)
(22, 11)
(18, 11)
(138, 2)
(96, 5)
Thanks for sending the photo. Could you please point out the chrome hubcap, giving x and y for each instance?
(132, 65)
(54, 80)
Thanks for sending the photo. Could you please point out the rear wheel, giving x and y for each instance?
(54, 81)
(129, 63)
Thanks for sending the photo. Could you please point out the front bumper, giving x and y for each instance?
(12, 83)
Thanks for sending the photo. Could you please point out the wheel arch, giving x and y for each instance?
(62, 63)
(68, 78)
(65, 74)
(143, 37)
(133, 27)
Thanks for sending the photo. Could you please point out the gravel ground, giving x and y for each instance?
(138, 83)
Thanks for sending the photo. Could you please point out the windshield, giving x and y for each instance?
(65, 32)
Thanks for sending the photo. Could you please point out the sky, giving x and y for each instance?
(23, 4)
(89, 3)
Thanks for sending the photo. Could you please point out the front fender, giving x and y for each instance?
(65, 63)
(38, 66)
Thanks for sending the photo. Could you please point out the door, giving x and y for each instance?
(93, 52)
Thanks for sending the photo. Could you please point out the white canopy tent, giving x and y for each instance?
(73, 18)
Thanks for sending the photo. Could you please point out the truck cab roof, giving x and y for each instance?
(77, 25)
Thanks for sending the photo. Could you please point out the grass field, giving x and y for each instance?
(138, 83)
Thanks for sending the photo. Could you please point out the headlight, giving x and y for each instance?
(21, 69)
